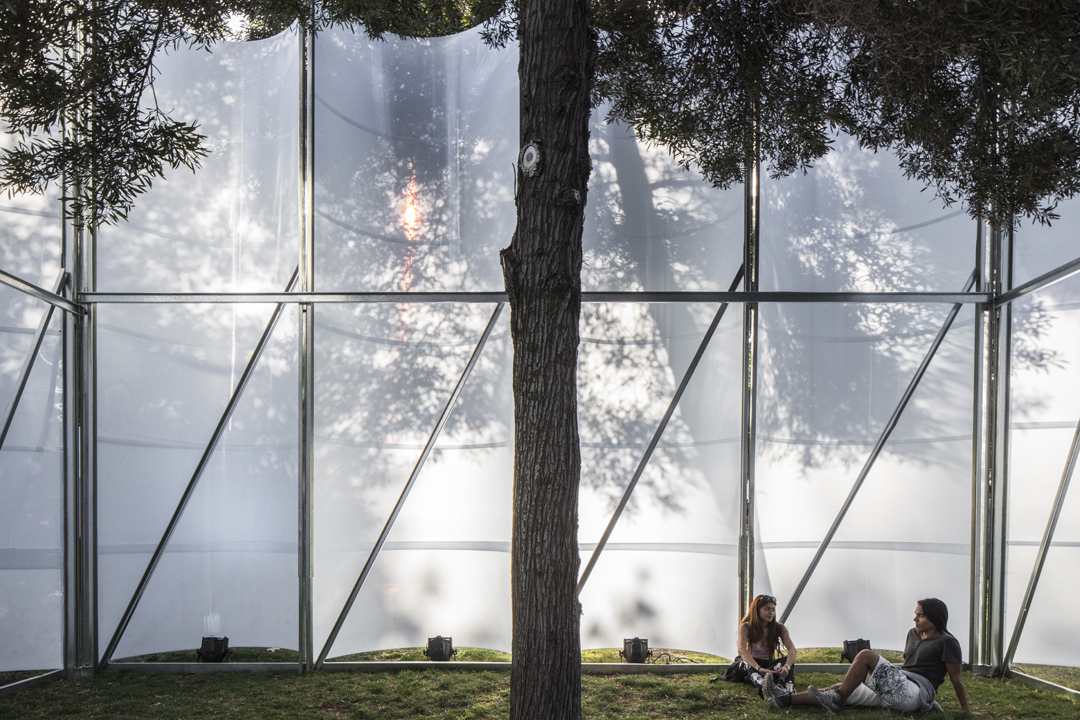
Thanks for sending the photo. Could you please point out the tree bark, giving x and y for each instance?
(542, 272)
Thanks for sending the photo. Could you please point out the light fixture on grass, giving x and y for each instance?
(440, 648)
(214, 649)
(636, 650)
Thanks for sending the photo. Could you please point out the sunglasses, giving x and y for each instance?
(767, 598)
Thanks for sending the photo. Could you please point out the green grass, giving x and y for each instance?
(474, 695)
(454, 695)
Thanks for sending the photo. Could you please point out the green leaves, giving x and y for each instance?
(978, 99)
(711, 80)
(73, 92)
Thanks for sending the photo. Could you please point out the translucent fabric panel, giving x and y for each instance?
(855, 223)
(232, 224)
(32, 504)
(30, 227)
(652, 225)
(830, 376)
(31, 461)
(1038, 249)
(415, 142)
(415, 146)
(1045, 410)
(384, 373)
(668, 571)
(165, 374)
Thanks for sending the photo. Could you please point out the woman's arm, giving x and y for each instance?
(792, 652)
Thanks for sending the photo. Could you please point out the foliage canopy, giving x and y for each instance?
(978, 98)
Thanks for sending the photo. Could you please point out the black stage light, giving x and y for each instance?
(440, 648)
(214, 649)
(636, 650)
(852, 648)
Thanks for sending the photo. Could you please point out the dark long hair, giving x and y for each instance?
(936, 612)
(761, 630)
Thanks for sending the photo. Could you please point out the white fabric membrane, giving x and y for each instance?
(415, 143)
(830, 377)
(165, 372)
(1045, 411)
(31, 461)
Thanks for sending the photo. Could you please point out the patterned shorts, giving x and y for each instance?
(887, 687)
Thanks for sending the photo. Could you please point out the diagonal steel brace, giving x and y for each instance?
(234, 400)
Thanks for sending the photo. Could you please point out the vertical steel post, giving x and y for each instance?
(747, 444)
(80, 644)
(306, 337)
(80, 463)
(70, 415)
(990, 453)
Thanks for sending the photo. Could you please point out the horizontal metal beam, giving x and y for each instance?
(587, 297)
(1043, 281)
(40, 293)
(621, 668)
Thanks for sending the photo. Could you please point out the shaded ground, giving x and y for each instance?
(442, 694)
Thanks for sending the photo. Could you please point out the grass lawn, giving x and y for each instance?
(436, 693)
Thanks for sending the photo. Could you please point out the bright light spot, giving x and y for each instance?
(236, 25)
(410, 216)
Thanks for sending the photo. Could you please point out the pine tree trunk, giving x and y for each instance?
(542, 272)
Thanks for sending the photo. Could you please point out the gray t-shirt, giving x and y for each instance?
(925, 658)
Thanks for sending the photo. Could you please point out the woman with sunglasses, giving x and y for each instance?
(761, 639)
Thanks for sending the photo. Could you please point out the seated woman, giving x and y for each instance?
(761, 638)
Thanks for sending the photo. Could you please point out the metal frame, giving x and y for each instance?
(748, 381)
(28, 363)
(1044, 547)
(79, 301)
(656, 437)
(1043, 281)
(215, 437)
(488, 298)
(428, 446)
(80, 451)
(878, 446)
(27, 683)
(1039, 684)
(53, 298)
(306, 338)
(990, 453)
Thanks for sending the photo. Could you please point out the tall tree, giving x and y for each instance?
(542, 273)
